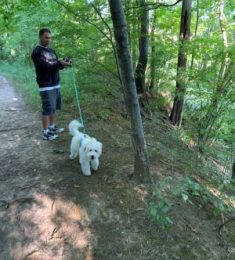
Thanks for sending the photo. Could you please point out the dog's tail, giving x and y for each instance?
(74, 125)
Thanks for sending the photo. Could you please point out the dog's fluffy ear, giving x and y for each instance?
(86, 148)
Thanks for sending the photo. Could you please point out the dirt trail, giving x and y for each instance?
(49, 211)
(37, 220)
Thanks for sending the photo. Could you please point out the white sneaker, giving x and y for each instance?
(49, 136)
(56, 129)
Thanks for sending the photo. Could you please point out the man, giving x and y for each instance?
(47, 68)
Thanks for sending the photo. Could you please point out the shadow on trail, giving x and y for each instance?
(42, 227)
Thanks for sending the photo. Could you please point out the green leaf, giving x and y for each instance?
(185, 197)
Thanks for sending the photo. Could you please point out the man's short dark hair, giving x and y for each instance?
(43, 30)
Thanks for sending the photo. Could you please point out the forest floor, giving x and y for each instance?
(48, 210)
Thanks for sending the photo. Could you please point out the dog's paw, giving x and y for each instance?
(87, 173)
(94, 165)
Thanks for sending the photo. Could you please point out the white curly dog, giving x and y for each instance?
(88, 148)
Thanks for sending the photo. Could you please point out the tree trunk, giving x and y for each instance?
(153, 54)
(134, 38)
(225, 73)
(143, 48)
(195, 34)
(141, 166)
(177, 110)
(233, 170)
(225, 61)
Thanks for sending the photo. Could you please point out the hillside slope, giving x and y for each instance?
(48, 210)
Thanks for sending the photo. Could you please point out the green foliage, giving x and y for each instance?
(219, 202)
(188, 191)
(160, 206)
(79, 32)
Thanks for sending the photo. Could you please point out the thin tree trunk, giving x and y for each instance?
(153, 54)
(225, 62)
(141, 167)
(143, 48)
(134, 38)
(233, 170)
(225, 73)
(195, 33)
(177, 110)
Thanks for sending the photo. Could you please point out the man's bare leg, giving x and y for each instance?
(47, 134)
(52, 125)
(45, 122)
(52, 119)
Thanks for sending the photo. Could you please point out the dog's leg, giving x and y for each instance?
(73, 154)
(86, 168)
(95, 164)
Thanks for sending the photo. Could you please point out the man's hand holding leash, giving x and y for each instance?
(66, 62)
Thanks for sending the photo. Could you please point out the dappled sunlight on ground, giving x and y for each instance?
(222, 196)
(228, 200)
(41, 227)
(12, 141)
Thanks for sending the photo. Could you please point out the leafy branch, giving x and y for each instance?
(108, 37)
(153, 6)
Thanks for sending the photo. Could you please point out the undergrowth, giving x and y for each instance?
(189, 191)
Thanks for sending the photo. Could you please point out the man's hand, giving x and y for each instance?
(65, 63)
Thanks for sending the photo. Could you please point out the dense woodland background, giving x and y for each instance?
(183, 61)
(83, 30)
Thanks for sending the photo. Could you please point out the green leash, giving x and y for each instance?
(77, 97)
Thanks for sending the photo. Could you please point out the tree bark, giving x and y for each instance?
(134, 36)
(153, 54)
(233, 170)
(177, 110)
(143, 48)
(141, 165)
(195, 34)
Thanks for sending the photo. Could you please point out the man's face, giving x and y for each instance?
(45, 39)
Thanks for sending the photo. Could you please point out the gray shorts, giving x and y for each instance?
(51, 101)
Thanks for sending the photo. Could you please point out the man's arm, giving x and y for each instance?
(40, 61)
(61, 65)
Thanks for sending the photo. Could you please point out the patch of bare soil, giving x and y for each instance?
(48, 210)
